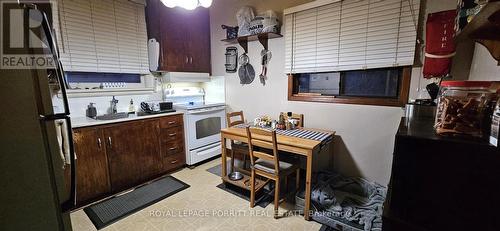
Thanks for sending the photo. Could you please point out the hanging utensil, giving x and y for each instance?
(246, 71)
(266, 56)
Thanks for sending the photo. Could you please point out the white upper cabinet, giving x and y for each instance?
(101, 36)
(350, 35)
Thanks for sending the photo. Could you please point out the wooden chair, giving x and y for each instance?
(299, 117)
(268, 165)
(242, 147)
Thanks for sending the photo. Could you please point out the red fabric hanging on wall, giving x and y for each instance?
(440, 45)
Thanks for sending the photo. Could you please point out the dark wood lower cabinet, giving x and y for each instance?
(92, 174)
(113, 158)
(133, 153)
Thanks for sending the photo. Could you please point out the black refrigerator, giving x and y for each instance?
(37, 162)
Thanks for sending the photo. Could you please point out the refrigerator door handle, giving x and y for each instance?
(58, 65)
(71, 202)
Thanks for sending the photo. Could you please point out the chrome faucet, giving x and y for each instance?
(114, 102)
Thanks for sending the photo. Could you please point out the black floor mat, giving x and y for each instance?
(262, 198)
(109, 211)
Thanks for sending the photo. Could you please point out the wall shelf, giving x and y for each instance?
(262, 38)
(484, 28)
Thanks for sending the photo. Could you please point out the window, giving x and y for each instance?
(383, 86)
(95, 77)
(105, 36)
(350, 35)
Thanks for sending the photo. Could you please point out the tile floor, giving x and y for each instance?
(202, 206)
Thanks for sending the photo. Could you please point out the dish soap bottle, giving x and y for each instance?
(131, 108)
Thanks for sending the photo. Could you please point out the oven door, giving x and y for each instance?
(204, 125)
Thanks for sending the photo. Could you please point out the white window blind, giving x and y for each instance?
(102, 36)
(351, 35)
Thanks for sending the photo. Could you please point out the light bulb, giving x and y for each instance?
(205, 3)
(188, 4)
(169, 3)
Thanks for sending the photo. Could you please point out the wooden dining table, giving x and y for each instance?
(299, 146)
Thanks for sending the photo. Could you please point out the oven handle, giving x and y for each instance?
(195, 112)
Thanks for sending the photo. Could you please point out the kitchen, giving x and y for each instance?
(145, 57)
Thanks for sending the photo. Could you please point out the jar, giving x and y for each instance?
(464, 108)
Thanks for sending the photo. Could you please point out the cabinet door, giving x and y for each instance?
(133, 152)
(173, 26)
(185, 39)
(92, 176)
(199, 41)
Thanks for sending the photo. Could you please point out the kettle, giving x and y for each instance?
(91, 111)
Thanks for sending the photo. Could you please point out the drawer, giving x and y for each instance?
(172, 147)
(171, 134)
(174, 161)
(171, 121)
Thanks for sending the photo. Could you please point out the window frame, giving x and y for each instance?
(404, 91)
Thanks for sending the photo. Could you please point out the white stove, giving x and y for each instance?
(202, 122)
(198, 105)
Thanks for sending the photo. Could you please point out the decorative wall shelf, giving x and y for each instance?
(263, 38)
(484, 28)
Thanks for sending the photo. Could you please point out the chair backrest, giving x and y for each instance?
(231, 122)
(263, 138)
(299, 117)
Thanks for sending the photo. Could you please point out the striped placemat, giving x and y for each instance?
(323, 137)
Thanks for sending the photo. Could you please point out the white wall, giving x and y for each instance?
(484, 66)
(365, 141)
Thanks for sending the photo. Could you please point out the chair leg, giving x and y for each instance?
(297, 180)
(244, 161)
(285, 184)
(276, 197)
(232, 159)
(252, 189)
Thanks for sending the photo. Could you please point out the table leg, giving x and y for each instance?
(224, 161)
(307, 204)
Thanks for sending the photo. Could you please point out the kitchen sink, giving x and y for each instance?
(120, 115)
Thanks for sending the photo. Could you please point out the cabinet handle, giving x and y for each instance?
(187, 59)
(110, 143)
(172, 149)
(171, 122)
(191, 59)
(172, 134)
(174, 161)
(99, 143)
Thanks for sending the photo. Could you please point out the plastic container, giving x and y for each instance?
(464, 108)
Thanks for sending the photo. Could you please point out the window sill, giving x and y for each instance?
(402, 99)
(108, 92)
(347, 100)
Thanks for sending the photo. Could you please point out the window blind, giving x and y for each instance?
(351, 35)
(102, 36)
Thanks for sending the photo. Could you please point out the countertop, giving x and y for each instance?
(79, 122)
(424, 129)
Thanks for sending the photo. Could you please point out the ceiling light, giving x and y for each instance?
(169, 3)
(205, 3)
(187, 4)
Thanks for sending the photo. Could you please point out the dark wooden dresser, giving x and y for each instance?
(442, 183)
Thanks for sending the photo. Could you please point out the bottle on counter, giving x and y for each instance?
(495, 126)
(131, 108)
